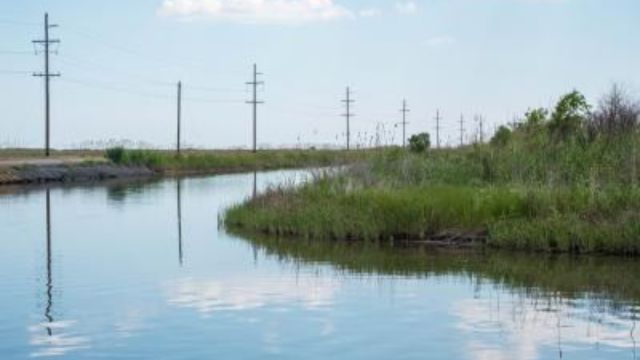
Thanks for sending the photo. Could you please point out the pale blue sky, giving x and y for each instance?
(119, 59)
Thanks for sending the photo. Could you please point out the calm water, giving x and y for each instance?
(144, 271)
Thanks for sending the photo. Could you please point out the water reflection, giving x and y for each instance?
(293, 298)
(57, 339)
(553, 301)
(47, 312)
(255, 184)
(521, 327)
(209, 296)
(608, 282)
(179, 211)
(119, 190)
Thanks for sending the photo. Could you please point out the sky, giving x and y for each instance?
(120, 61)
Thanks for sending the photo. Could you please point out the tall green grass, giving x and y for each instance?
(231, 161)
(532, 194)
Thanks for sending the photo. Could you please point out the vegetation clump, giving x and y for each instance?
(558, 181)
(419, 143)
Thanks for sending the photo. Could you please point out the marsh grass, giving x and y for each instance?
(550, 197)
(231, 161)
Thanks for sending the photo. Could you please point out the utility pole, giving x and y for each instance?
(47, 76)
(255, 103)
(438, 128)
(461, 130)
(348, 115)
(179, 117)
(480, 135)
(404, 123)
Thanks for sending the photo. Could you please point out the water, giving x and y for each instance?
(142, 270)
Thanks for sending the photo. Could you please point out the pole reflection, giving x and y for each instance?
(254, 195)
(179, 213)
(255, 184)
(49, 287)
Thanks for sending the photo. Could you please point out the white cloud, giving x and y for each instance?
(371, 12)
(440, 41)
(256, 11)
(406, 7)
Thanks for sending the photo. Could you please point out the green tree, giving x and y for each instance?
(569, 115)
(501, 137)
(419, 142)
(536, 117)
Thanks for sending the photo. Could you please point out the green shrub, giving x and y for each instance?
(501, 137)
(116, 154)
(419, 143)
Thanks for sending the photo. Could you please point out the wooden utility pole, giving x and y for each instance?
(461, 130)
(254, 102)
(47, 75)
(438, 129)
(404, 123)
(179, 117)
(348, 115)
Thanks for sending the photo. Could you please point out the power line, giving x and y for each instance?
(15, 72)
(120, 88)
(47, 75)
(17, 23)
(110, 87)
(99, 39)
(16, 52)
(348, 114)
(91, 65)
(255, 102)
(211, 89)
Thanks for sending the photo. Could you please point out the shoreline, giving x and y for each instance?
(22, 168)
(32, 174)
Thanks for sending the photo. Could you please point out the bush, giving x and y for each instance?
(569, 116)
(617, 113)
(116, 154)
(419, 143)
(502, 136)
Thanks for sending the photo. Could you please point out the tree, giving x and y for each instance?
(569, 115)
(419, 142)
(535, 118)
(501, 137)
(616, 114)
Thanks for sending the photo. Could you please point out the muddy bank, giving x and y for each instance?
(52, 173)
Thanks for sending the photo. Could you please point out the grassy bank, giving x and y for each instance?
(536, 188)
(218, 161)
(523, 218)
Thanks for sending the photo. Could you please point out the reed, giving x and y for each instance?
(532, 194)
(197, 161)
